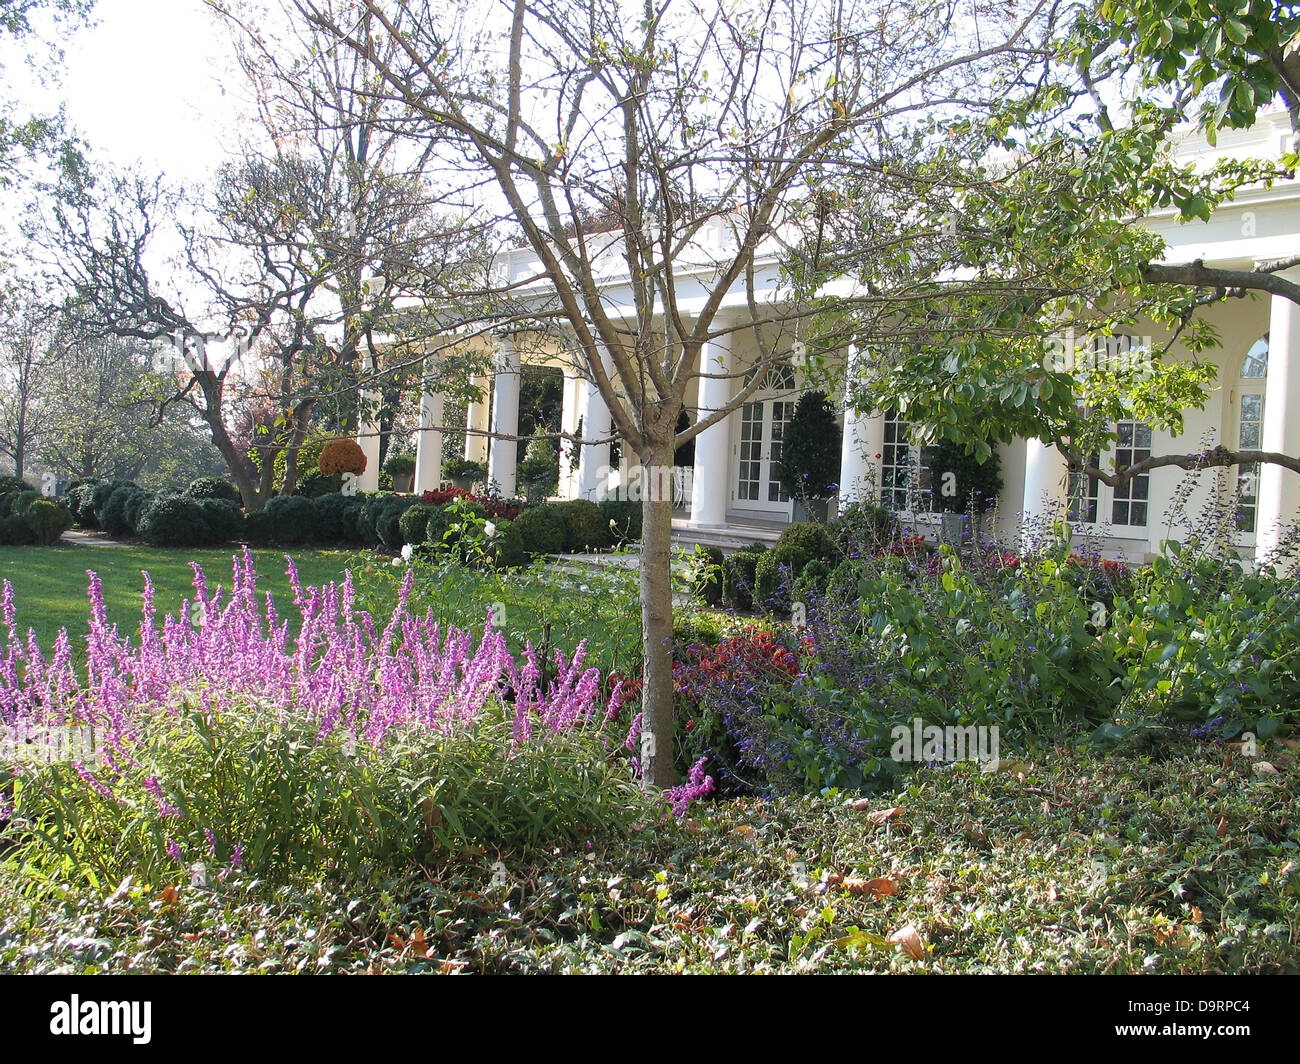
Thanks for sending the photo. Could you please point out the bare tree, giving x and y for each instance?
(667, 122)
(30, 350)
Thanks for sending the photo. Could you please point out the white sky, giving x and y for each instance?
(143, 84)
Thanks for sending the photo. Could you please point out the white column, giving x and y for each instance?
(503, 454)
(711, 489)
(1046, 470)
(570, 412)
(593, 469)
(428, 443)
(476, 423)
(862, 444)
(1279, 488)
(368, 429)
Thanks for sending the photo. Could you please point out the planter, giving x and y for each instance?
(817, 510)
(403, 482)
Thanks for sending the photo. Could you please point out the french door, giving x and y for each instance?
(758, 455)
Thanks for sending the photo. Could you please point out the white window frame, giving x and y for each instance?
(919, 471)
(1105, 497)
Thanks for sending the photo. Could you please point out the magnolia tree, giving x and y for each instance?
(614, 139)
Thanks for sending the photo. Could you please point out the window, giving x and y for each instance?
(1250, 430)
(1091, 501)
(904, 470)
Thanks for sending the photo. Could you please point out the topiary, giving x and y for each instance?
(584, 527)
(508, 547)
(293, 519)
(332, 517)
(541, 530)
(342, 456)
(103, 491)
(738, 576)
(810, 448)
(135, 504)
(13, 485)
(173, 521)
(213, 488)
(81, 501)
(315, 484)
(808, 540)
(47, 520)
(225, 520)
(626, 517)
(774, 577)
(414, 523)
(115, 522)
(257, 528)
(843, 582)
(811, 583)
(22, 501)
(388, 523)
(15, 532)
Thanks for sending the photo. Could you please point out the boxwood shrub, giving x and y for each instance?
(213, 488)
(738, 576)
(293, 519)
(540, 530)
(173, 521)
(225, 520)
(115, 521)
(626, 516)
(584, 526)
(48, 520)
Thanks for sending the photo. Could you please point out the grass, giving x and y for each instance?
(50, 582)
(1073, 862)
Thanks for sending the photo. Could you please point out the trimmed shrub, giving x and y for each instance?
(626, 516)
(103, 491)
(225, 520)
(22, 501)
(812, 582)
(584, 527)
(807, 541)
(775, 573)
(508, 547)
(738, 576)
(400, 465)
(315, 484)
(114, 521)
(173, 521)
(541, 530)
(342, 456)
(15, 532)
(13, 485)
(414, 523)
(975, 482)
(257, 528)
(81, 501)
(293, 519)
(47, 520)
(810, 448)
(843, 582)
(443, 519)
(388, 523)
(213, 488)
(135, 504)
(332, 518)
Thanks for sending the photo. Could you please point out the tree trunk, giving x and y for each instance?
(657, 621)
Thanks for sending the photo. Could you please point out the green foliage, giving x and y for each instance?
(863, 528)
(774, 575)
(173, 521)
(626, 516)
(47, 520)
(15, 532)
(13, 485)
(81, 501)
(136, 501)
(540, 530)
(738, 576)
(461, 469)
(102, 492)
(807, 541)
(973, 483)
(812, 582)
(258, 528)
(399, 465)
(313, 484)
(539, 472)
(810, 449)
(585, 528)
(332, 517)
(225, 520)
(22, 501)
(388, 521)
(414, 523)
(115, 521)
(707, 575)
(293, 519)
(213, 488)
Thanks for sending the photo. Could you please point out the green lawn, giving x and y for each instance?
(50, 582)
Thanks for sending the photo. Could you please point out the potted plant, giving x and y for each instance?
(810, 456)
(961, 484)
(401, 467)
(539, 472)
(464, 473)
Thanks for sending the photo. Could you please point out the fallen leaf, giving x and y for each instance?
(1197, 915)
(1263, 768)
(693, 827)
(909, 941)
(169, 894)
(876, 888)
(1222, 829)
(419, 945)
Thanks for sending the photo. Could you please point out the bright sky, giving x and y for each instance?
(143, 83)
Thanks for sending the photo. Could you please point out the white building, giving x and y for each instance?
(732, 490)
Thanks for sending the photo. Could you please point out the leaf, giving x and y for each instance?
(909, 941)
(170, 894)
(862, 938)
